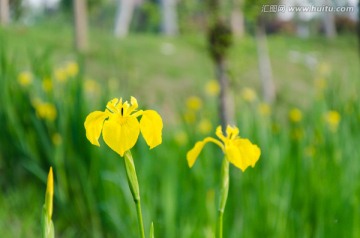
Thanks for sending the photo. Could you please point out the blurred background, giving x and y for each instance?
(293, 72)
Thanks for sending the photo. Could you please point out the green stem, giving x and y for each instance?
(139, 214)
(223, 195)
(220, 224)
(134, 188)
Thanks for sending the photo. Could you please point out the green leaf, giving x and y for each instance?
(152, 230)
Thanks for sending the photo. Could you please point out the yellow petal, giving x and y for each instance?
(111, 105)
(151, 128)
(242, 153)
(121, 134)
(134, 104)
(93, 125)
(192, 155)
(220, 134)
(234, 156)
(232, 132)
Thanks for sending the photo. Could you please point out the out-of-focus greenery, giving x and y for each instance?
(306, 183)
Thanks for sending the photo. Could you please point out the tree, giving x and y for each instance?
(358, 25)
(237, 18)
(220, 39)
(124, 14)
(169, 17)
(253, 10)
(4, 12)
(328, 19)
(265, 69)
(329, 25)
(80, 25)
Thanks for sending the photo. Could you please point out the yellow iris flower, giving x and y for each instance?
(240, 152)
(120, 127)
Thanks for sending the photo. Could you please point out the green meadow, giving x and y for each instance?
(305, 184)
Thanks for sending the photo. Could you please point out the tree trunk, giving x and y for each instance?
(169, 17)
(225, 101)
(265, 70)
(4, 12)
(358, 26)
(220, 39)
(329, 25)
(237, 19)
(123, 17)
(80, 25)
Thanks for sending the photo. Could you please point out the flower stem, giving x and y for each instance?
(223, 195)
(220, 224)
(139, 214)
(134, 188)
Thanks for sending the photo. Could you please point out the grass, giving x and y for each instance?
(306, 183)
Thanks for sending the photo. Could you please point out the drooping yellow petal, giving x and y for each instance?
(234, 156)
(249, 150)
(193, 154)
(242, 153)
(93, 126)
(121, 134)
(151, 128)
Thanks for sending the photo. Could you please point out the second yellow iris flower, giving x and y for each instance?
(238, 151)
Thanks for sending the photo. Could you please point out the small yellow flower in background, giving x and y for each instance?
(297, 134)
(45, 110)
(120, 128)
(320, 83)
(295, 115)
(91, 86)
(332, 119)
(190, 117)
(25, 79)
(56, 139)
(113, 83)
(248, 94)
(72, 69)
(310, 151)
(240, 152)
(264, 109)
(60, 75)
(193, 103)
(47, 85)
(212, 88)
(275, 128)
(181, 138)
(205, 126)
(323, 69)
